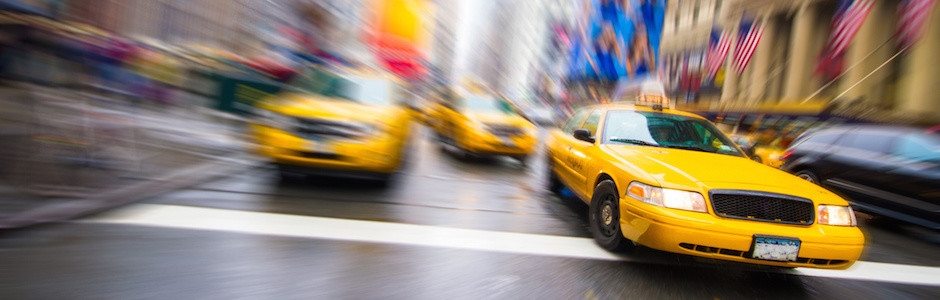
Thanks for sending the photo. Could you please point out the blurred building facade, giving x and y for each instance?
(443, 48)
(877, 75)
(514, 46)
(237, 25)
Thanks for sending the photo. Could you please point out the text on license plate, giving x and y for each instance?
(508, 142)
(324, 147)
(778, 249)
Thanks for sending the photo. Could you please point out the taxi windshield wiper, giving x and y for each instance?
(694, 148)
(633, 141)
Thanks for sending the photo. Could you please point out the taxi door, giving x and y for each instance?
(561, 147)
(579, 159)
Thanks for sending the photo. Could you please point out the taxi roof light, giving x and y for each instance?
(656, 102)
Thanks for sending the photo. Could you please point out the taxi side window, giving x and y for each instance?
(591, 122)
(917, 148)
(871, 143)
(575, 121)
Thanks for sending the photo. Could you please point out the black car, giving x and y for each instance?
(889, 171)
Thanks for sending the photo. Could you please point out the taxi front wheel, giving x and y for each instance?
(604, 217)
(808, 176)
(554, 184)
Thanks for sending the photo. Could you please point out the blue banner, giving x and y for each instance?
(617, 40)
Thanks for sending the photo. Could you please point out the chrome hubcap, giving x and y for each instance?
(607, 214)
(806, 177)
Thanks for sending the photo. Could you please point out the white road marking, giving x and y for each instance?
(186, 217)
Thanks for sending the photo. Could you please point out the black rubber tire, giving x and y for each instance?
(284, 174)
(808, 176)
(384, 180)
(606, 232)
(554, 184)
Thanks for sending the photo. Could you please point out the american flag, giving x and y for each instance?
(912, 14)
(847, 20)
(748, 38)
(718, 47)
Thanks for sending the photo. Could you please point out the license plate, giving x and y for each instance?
(508, 142)
(776, 248)
(320, 147)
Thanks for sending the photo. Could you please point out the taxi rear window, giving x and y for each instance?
(666, 131)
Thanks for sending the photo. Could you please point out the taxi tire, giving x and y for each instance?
(384, 180)
(554, 184)
(808, 176)
(284, 174)
(607, 235)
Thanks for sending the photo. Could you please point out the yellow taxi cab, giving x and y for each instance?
(768, 154)
(670, 180)
(325, 122)
(436, 109)
(482, 124)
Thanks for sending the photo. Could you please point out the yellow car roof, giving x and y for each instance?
(621, 106)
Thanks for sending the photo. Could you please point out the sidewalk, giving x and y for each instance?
(135, 150)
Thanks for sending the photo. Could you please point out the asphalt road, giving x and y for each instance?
(445, 229)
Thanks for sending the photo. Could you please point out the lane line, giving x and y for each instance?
(186, 217)
(214, 219)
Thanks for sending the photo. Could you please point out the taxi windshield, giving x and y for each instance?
(374, 91)
(483, 104)
(666, 131)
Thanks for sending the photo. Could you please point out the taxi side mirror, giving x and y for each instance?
(584, 135)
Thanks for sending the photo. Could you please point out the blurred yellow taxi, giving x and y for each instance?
(353, 125)
(671, 181)
(768, 154)
(483, 124)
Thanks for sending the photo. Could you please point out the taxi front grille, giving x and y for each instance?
(316, 128)
(502, 130)
(762, 206)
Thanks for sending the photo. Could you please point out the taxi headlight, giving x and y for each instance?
(360, 132)
(836, 215)
(670, 198)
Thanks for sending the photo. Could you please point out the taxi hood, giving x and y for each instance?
(315, 106)
(702, 171)
(497, 118)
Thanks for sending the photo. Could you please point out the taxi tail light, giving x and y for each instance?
(786, 155)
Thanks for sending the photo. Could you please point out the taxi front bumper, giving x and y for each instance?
(514, 145)
(381, 155)
(706, 235)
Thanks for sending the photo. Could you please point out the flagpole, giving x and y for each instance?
(846, 71)
(872, 72)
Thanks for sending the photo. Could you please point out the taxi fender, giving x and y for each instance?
(619, 183)
(618, 167)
